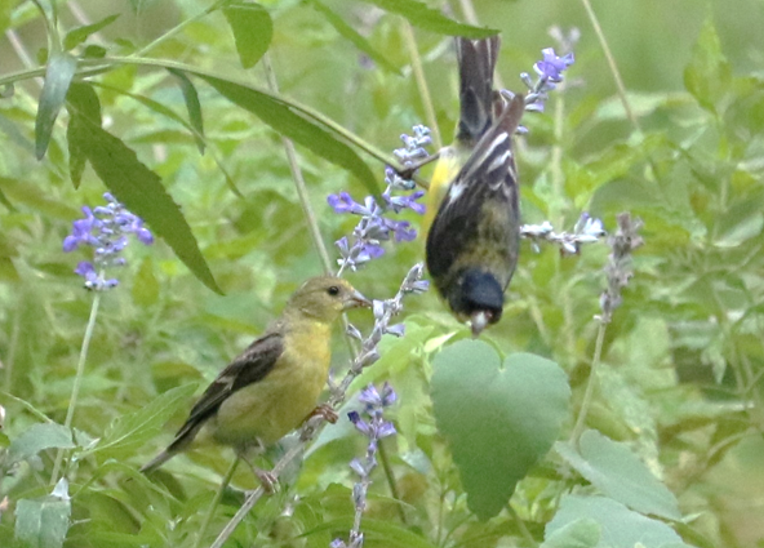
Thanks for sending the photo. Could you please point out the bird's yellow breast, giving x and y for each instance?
(272, 407)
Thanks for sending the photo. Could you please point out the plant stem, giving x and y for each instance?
(589, 392)
(215, 502)
(177, 28)
(612, 64)
(77, 380)
(382, 450)
(421, 82)
(299, 180)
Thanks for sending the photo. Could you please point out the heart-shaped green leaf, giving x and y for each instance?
(499, 421)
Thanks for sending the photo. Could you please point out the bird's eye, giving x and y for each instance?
(333, 290)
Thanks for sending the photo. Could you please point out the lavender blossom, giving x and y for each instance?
(375, 428)
(411, 156)
(105, 228)
(374, 227)
(549, 70)
(587, 230)
(619, 268)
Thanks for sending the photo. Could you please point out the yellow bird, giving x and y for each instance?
(479, 104)
(274, 385)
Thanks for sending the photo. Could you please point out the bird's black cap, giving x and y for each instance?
(480, 293)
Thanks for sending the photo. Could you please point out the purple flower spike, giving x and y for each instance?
(104, 228)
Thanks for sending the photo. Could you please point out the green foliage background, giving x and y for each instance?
(674, 452)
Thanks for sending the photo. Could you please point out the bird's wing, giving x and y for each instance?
(489, 174)
(250, 367)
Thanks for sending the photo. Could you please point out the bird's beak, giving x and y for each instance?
(356, 300)
(479, 321)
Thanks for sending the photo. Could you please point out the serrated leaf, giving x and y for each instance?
(617, 472)
(89, 111)
(141, 191)
(39, 437)
(78, 35)
(194, 108)
(134, 429)
(708, 74)
(621, 527)
(424, 17)
(252, 30)
(499, 421)
(44, 522)
(58, 77)
(279, 115)
(582, 533)
(349, 33)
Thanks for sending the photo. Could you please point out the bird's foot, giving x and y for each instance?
(268, 480)
(326, 412)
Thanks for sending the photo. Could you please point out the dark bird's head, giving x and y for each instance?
(480, 299)
(326, 297)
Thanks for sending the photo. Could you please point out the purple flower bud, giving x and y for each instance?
(370, 396)
(552, 66)
(397, 330)
(357, 466)
(386, 429)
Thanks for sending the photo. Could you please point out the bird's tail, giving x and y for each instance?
(477, 61)
(182, 440)
(157, 461)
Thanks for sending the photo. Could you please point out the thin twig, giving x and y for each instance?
(215, 502)
(299, 181)
(612, 64)
(421, 82)
(590, 384)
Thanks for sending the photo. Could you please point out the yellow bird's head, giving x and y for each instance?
(324, 298)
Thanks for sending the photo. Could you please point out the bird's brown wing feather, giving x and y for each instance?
(250, 367)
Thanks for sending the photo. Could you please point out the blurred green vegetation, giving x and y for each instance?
(680, 383)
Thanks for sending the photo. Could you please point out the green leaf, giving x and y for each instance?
(499, 421)
(146, 287)
(58, 76)
(37, 198)
(419, 15)
(582, 533)
(138, 188)
(135, 429)
(80, 121)
(252, 30)
(349, 33)
(43, 522)
(78, 35)
(741, 222)
(621, 527)
(194, 108)
(617, 472)
(6, 8)
(39, 437)
(708, 74)
(279, 115)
